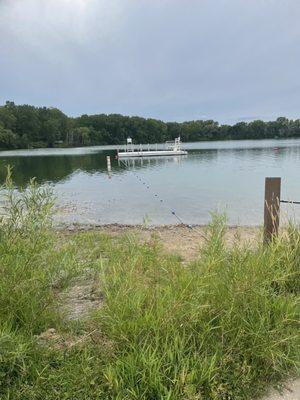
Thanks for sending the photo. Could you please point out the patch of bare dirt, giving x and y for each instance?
(81, 298)
(289, 391)
(179, 239)
(54, 340)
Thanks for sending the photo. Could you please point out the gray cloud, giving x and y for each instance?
(168, 59)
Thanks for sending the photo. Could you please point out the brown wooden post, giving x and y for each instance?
(272, 208)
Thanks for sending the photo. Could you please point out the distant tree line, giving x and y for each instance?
(25, 126)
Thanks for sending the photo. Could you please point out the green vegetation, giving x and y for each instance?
(222, 327)
(23, 126)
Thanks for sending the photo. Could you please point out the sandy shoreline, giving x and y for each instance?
(178, 239)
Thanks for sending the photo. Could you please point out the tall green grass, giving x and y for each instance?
(224, 326)
(220, 328)
(30, 270)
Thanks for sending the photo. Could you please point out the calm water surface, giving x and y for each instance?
(225, 176)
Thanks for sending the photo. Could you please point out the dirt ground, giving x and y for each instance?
(290, 391)
(178, 239)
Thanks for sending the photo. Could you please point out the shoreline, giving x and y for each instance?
(88, 226)
(175, 239)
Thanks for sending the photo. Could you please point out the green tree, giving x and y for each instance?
(8, 139)
(7, 118)
(44, 126)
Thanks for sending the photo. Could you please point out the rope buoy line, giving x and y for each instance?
(173, 212)
(289, 201)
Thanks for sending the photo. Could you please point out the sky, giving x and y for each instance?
(175, 60)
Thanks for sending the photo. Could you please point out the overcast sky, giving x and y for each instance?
(229, 60)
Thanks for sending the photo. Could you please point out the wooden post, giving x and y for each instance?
(272, 208)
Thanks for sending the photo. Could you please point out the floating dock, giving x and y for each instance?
(171, 149)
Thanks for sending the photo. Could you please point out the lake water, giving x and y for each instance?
(225, 176)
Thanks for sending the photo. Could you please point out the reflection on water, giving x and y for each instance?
(51, 168)
(215, 175)
(149, 162)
